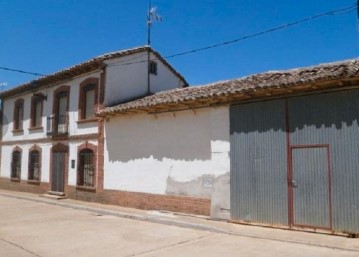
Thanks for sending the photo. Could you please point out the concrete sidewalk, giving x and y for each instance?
(199, 223)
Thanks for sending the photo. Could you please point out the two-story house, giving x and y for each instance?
(51, 139)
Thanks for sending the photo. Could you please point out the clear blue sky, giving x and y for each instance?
(48, 35)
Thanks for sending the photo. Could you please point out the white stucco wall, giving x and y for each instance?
(167, 152)
(74, 127)
(45, 160)
(124, 82)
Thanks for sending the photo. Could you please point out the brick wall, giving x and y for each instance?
(143, 201)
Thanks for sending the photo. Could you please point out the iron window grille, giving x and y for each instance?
(34, 166)
(16, 165)
(86, 172)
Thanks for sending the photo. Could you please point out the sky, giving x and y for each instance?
(45, 36)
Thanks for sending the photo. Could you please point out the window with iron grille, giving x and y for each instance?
(34, 165)
(86, 171)
(16, 165)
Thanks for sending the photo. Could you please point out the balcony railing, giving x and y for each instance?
(57, 125)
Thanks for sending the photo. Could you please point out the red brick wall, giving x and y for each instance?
(126, 199)
(24, 186)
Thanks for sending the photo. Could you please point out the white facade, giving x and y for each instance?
(126, 78)
(121, 82)
(180, 153)
(74, 127)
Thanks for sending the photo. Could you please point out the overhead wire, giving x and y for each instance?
(271, 30)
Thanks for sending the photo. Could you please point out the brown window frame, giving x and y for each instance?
(60, 92)
(86, 85)
(35, 100)
(18, 122)
(31, 176)
(14, 175)
(86, 148)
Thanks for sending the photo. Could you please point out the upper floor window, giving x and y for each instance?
(36, 112)
(18, 114)
(153, 67)
(89, 105)
(16, 164)
(88, 99)
(60, 110)
(34, 165)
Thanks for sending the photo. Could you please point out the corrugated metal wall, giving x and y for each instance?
(311, 194)
(332, 119)
(259, 189)
(258, 163)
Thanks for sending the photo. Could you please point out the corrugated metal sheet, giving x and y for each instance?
(332, 119)
(258, 163)
(311, 199)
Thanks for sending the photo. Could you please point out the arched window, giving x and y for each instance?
(86, 168)
(16, 165)
(34, 165)
(88, 99)
(18, 114)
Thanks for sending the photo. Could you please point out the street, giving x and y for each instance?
(31, 228)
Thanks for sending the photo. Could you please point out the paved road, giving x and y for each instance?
(29, 229)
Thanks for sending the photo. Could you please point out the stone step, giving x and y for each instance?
(54, 197)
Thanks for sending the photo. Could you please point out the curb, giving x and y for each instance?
(171, 222)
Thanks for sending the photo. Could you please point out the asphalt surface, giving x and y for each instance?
(33, 226)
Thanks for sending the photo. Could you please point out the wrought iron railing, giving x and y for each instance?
(57, 125)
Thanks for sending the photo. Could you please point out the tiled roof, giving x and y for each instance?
(82, 68)
(260, 85)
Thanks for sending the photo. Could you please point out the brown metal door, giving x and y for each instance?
(58, 171)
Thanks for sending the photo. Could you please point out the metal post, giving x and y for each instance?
(149, 45)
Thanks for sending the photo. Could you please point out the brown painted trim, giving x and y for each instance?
(35, 148)
(87, 121)
(34, 101)
(93, 136)
(18, 122)
(93, 148)
(101, 134)
(55, 108)
(15, 149)
(91, 83)
(100, 154)
(63, 149)
(36, 128)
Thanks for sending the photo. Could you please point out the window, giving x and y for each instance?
(153, 67)
(36, 112)
(18, 114)
(86, 170)
(59, 122)
(89, 105)
(34, 165)
(88, 99)
(16, 164)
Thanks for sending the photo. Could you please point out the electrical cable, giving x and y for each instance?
(274, 29)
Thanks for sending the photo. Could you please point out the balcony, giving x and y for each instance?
(57, 125)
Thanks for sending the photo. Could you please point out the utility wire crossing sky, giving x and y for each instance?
(284, 26)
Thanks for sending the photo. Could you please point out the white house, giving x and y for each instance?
(51, 139)
(277, 148)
